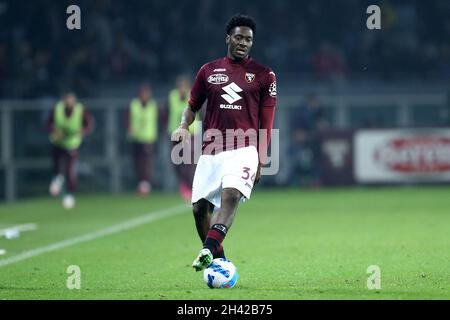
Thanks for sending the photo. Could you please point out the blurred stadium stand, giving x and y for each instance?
(396, 77)
(121, 42)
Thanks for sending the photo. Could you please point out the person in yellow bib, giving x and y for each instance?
(67, 124)
(177, 101)
(142, 126)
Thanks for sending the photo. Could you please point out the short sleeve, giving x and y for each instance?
(198, 91)
(269, 90)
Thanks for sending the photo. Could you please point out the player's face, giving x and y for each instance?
(145, 94)
(70, 100)
(183, 86)
(239, 42)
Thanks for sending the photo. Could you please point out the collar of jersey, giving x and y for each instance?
(242, 62)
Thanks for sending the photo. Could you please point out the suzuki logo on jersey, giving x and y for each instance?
(230, 106)
(232, 93)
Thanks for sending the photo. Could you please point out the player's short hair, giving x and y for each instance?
(68, 92)
(145, 86)
(240, 20)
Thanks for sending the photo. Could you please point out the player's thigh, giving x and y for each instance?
(206, 181)
(206, 174)
(240, 170)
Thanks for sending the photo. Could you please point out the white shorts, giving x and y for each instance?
(228, 169)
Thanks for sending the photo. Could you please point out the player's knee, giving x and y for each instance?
(231, 196)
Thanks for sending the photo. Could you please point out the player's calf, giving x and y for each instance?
(56, 185)
(202, 210)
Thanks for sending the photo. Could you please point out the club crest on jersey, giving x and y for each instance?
(249, 77)
(218, 78)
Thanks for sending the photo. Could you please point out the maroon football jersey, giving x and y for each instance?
(235, 93)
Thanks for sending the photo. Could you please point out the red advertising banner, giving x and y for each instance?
(401, 155)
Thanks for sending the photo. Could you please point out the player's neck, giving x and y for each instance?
(232, 59)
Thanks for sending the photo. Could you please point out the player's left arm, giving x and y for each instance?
(88, 123)
(266, 117)
(50, 123)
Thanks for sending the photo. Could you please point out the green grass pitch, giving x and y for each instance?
(286, 244)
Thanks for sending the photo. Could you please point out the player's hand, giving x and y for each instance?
(180, 135)
(258, 174)
(57, 134)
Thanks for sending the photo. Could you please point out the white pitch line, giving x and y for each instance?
(126, 225)
(19, 227)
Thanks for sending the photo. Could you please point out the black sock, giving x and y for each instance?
(220, 253)
(215, 237)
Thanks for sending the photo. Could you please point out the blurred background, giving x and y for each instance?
(355, 106)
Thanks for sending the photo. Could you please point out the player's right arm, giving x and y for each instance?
(56, 133)
(196, 100)
(187, 118)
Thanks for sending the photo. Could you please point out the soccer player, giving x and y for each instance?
(241, 95)
(177, 101)
(68, 123)
(142, 126)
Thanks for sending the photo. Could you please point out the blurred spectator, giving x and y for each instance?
(142, 128)
(121, 41)
(328, 62)
(307, 121)
(177, 101)
(3, 66)
(68, 123)
(446, 113)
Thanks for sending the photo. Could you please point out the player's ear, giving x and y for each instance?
(227, 39)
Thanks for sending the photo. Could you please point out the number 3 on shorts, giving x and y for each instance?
(246, 171)
(246, 175)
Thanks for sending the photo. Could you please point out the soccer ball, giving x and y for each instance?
(220, 274)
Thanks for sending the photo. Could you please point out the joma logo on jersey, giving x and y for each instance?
(218, 78)
(232, 93)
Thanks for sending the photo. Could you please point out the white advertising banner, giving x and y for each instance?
(402, 155)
